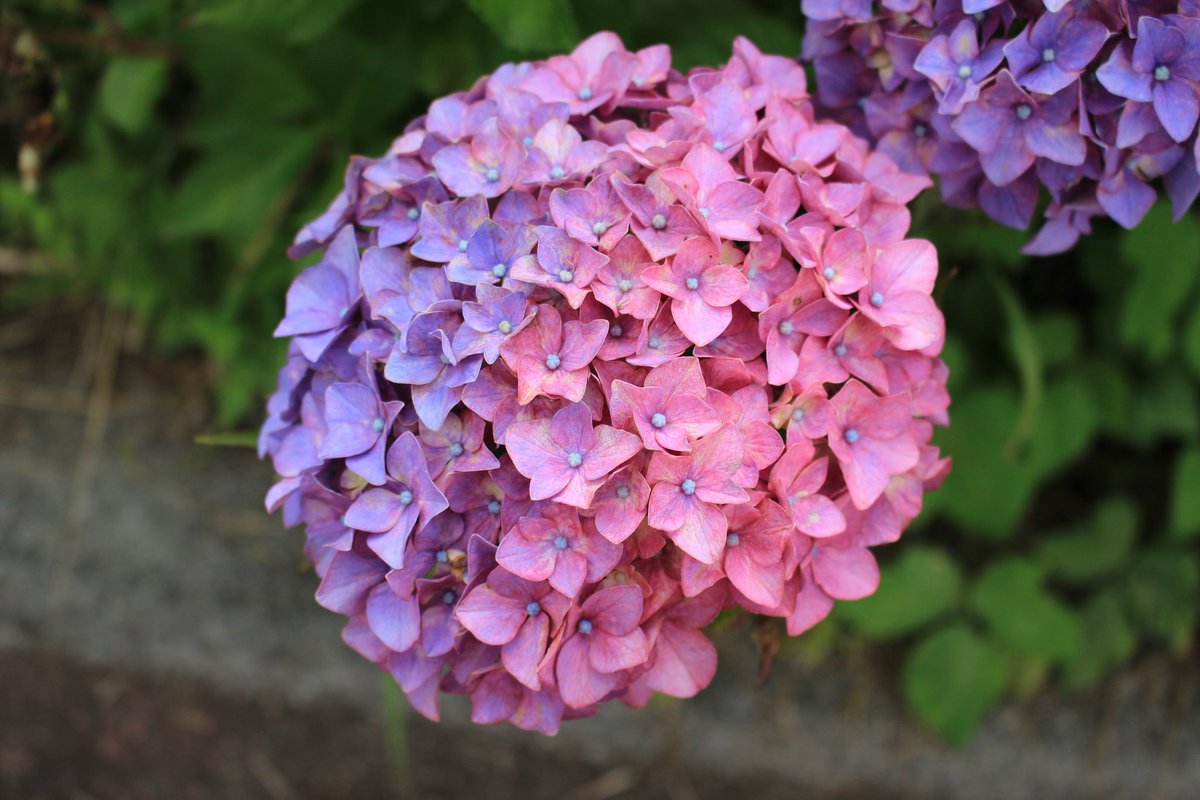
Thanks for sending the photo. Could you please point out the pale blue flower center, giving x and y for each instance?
(798, 414)
(829, 272)
(585, 93)
(659, 222)
(343, 311)
(557, 173)
(1162, 73)
(852, 435)
(445, 359)
(378, 424)
(585, 626)
(733, 540)
(599, 228)
(413, 213)
(493, 506)
(752, 273)
(527, 141)
(692, 283)
(658, 419)
(441, 556)
(624, 284)
(1024, 111)
(704, 212)
(492, 175)
(406, 497)
(719, 146)
(574, 459)
(499, 270)
(654, 342)
(876, 299)
(622, 492)
(462, 245)
(964, 71)
(615, 331)
(1048, 54)
(533, 608)
(449, 597)
(552, 361)
(505, 326)
(560, 542)
(786, 327)
(919, 130)
(840, 350)
(688, 486)
(565, 275)
(456, 449)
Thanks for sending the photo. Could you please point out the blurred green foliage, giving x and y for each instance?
(179, 144)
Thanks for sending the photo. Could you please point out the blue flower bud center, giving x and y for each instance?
(704, 212)
(615, 331)
(565, 275)
(585, 626)
(692, 283)
(406, 497)
(622, 492)
(1162, 73)
(574, 459)
(658, 419)
(449, 596)
(527, 141)
(1024, 111)
(493, 506)
(456, 449)
(829, 272)
(798, 414)
(659, 222)
(599, 228)
(719, 146)
(413, 213)
(786, 327)
(553, 361)
(919, 130)
(964, 71)
(492, 175)
(343, 311)
(840, 350)
(441, 556)
(462, 245)
(876, 299)
(688, 486)
(560, 542)
(445, 359)
(533, 608)
(505, 326)
(557, 173)
(499, 270)
(654, 342)
(377, 424)
(585, 93)
(624, 284)
(732, 539)
(852, 435)
(752, 273)
(1048, 54)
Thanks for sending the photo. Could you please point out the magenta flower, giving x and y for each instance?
(686, 492)
(702, 289)
(872, 440)
(604, 641)
(573, 399)
(565, 458)
(551, 357)
(554, 548)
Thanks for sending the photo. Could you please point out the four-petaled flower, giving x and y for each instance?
(701, 287)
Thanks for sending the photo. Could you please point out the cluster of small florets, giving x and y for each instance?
(594, 352)
(1092, 100)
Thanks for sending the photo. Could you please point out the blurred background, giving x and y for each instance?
(1034, 634)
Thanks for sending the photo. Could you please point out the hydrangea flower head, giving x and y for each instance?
(595, 351)
(1094, 102)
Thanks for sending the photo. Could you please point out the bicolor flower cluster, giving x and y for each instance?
(1094, 101)
(595, 351)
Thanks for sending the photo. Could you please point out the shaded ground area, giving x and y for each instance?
(210, 671)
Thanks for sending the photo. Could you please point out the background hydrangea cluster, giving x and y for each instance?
(1094, 101)
(595, 351)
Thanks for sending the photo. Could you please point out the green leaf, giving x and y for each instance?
(1164, 256)
(1066, 426)
(1026, 353)
(1185, 495)
(1058, 336)
(1164, 406)
(129, 89)
(1108, 641)
(539, 26)
(920, 586)
(298, 21)
(952, 679)
(1163, 590)
(1095, 548)
(1191, 342)
(1011, 599)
